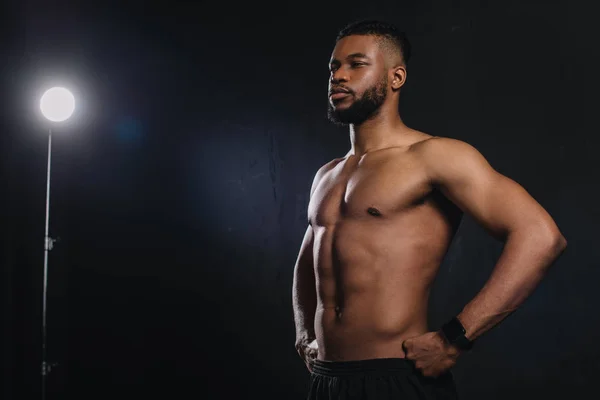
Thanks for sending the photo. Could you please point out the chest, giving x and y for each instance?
(367, 190)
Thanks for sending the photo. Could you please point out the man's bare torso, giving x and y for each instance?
(380, 233)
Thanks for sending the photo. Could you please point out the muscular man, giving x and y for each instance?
(381, 219)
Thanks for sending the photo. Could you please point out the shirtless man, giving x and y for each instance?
(381, 219)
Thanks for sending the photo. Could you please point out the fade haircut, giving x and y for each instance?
(392, 38)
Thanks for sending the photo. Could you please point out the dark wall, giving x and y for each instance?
(179, 189)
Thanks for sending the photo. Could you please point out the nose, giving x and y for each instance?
(339, 75)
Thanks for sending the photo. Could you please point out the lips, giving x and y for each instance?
(338, 93)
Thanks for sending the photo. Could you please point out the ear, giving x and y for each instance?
(398, 77)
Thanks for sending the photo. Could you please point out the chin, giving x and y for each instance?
(343, 105)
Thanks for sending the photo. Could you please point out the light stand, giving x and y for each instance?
(57, 105)
(48, 244)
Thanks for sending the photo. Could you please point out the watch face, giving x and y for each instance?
(463, 343)
(453, 329)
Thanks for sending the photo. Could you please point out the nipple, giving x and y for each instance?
(374, 212)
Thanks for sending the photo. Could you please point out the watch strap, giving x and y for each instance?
(454, 332)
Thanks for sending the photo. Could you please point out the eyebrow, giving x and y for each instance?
(350, 56)
(357, 55)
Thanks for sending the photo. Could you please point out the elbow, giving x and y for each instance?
(550, 241)
(547, 238)
(559, 243)
(552, 249)
(555, 242)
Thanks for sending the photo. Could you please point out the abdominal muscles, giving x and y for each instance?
(373, 282)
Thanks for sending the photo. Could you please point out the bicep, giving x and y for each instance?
(496, 202)
(304, 276)
(305, 255)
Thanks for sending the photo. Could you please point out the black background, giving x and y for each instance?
(180, 186)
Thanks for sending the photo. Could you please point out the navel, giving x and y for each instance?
(374, 212)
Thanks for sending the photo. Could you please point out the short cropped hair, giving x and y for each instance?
(386, 31)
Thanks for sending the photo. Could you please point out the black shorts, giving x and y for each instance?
(377, 379)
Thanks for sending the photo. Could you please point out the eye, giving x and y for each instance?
(357, 64)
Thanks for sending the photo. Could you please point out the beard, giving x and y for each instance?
(363, 108)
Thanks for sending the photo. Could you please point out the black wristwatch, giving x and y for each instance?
(454, 333)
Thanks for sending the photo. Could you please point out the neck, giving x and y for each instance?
(381, 131)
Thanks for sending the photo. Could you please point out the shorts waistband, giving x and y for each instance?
(379, 366)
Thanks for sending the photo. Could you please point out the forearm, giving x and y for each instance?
(524, 261)
(304, 301)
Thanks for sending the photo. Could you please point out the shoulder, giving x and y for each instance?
(322, 171)
(438, 144)
(446, 157)
(437, 149)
